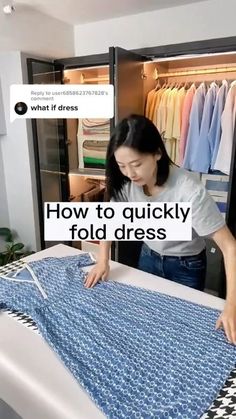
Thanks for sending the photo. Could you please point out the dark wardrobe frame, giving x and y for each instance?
(219, 45)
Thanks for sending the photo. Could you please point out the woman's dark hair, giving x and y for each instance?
(139, 133)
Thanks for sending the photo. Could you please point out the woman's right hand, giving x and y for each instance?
(99, 272)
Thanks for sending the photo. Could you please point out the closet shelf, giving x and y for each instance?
(96, 137)
(83, 79)
(91, 173)
(53, 171)
(158, 75)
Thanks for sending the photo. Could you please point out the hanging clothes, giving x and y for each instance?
(223, 159)
(164, 107)
(180, 97)
(148, 105)
(214, 133)
(156, 104)
(201, 156)
(162, 112)
(190, 124)
(187, 105)
(177, 121)
(170, 111)
(170, 142)
(195, 120)
(137, 353)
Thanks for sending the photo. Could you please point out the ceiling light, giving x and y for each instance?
(8, 9)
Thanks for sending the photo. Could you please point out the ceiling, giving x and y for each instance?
(83, 11)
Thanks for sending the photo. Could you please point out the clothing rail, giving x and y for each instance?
(158, 75)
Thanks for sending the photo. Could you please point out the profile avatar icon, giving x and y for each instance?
(21, 108)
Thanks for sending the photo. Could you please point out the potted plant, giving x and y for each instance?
(13, 250)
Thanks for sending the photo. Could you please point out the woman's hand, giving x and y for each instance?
(227, 320)
(99, 271)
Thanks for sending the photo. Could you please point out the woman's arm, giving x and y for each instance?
(104, 251)
(101, 269)
(227, 244)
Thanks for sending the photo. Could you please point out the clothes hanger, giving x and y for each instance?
(165, 84)
(158, 85)
(186, 84)
(179, 84)
(170, 85)
(174, 85)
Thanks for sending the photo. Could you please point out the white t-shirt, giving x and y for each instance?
(181, 186)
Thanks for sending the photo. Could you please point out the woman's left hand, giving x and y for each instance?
(227, 320)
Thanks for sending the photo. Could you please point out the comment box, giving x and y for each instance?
(61, 101)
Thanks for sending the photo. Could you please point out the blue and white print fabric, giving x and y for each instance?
(138, 353)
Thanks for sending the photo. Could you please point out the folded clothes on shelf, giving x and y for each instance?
(95, 126)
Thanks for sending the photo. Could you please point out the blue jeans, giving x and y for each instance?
(186, 270)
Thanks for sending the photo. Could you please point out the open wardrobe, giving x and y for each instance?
(187, 90)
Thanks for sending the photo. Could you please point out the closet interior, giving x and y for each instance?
(202, 141)
(181, 78)
(87, 139)
(48, 136)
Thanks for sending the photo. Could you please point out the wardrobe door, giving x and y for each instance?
(126, 74)
(49, 136)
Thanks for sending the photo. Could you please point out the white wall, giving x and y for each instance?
(17, 161)
(4, 219)
(36, 35)
(204, 20)
(30, 31)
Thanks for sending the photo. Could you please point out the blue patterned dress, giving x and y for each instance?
(138, 353)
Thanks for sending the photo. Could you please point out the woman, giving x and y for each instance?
(139, 169)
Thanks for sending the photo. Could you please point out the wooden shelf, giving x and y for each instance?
(91, 173)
